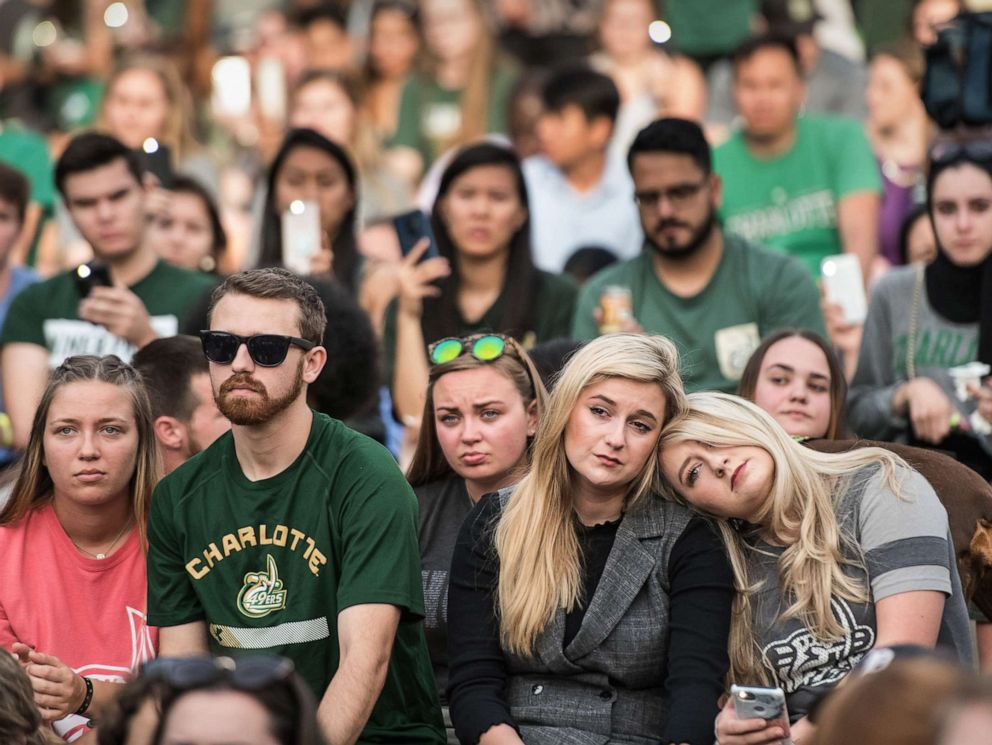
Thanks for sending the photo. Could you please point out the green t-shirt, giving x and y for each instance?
(708, 27)
(790, 202)
(753, 293)
(27, 151)
(47, 313)
(430, 115)
(270, 564)
(554, 305)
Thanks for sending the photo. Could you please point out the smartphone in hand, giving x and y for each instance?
(92, 274)
(843, 284)
(411, 227)
(300, 236)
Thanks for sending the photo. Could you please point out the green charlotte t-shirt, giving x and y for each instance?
(753, 293)
(46, 313)
(430, 115)
(270, 564)
(790, 202)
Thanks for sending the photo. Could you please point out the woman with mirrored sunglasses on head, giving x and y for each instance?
(582, 607)
(484, 401)
(484, 279)
(256, 700)
(917, 379)
(72, 537)
(833, 554)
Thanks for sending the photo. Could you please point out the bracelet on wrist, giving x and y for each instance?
(87, 699)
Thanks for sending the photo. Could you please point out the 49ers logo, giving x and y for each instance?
(263, 592)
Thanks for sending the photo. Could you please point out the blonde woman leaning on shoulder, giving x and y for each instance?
(836, 553)
(582, 607)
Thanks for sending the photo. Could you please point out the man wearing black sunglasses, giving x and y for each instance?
(293, 535)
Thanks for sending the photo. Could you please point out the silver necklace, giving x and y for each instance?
(102, 554)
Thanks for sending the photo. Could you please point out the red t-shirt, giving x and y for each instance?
(90, 613)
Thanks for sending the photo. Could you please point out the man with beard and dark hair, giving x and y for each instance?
(187, 419)
(712, 293)
(294, 535)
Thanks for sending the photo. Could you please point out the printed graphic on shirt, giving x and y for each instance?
(279, 535)
(65, 337)
(803, 661)
(935, 348)
(73, 727)
(435, 583)
(263, 592)
(802, 212)
(734, 346)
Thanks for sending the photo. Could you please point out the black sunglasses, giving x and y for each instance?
(245, 673)
(267, 350)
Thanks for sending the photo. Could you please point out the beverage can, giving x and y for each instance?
(615, 303)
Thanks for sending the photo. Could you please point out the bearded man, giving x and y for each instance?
(712, 293)
(293, 535)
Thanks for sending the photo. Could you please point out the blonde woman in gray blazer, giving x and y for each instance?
(582, 608)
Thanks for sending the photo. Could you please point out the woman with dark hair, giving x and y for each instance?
(394, 43)
(484, 279)
(795, 376)
(311, 168)
(188, 233)
(926, 320)
(917, 243)
(256, 700)
(73, 584)
(484, 402)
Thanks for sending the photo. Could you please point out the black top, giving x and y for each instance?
(443, 506)
(595, 543)
(699, 575)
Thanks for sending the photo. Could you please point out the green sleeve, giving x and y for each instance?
(379, 556)
(24, 321)
(556, 307)
(407, 132)
(790, 298)
(172, 601)
(855, 168)
(584, 325)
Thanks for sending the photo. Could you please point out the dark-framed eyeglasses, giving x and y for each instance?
(678, 196)
(267, 350)
(484, 347)
(245, 673)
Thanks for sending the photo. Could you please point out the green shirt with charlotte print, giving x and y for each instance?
(789, 202)
(269, 564)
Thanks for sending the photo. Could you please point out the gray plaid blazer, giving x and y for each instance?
(607, 685)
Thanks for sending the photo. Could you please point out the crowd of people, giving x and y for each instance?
(525, 371)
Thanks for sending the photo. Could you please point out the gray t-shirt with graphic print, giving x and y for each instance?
(906, 547)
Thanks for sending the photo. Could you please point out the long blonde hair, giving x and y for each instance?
(799, 512)
(34, 486)
(177, 131)
(536, 542)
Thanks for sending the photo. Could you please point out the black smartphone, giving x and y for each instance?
(92, 274)
(158, 161)
(410, 228)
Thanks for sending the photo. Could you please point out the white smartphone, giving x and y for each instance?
(754, 702)
(270, 87)
(300, 236)
(844, 285)
(231, 77)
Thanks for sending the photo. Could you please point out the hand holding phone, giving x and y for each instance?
(92, 274)
(411, 227)
(300, 236)
(843, 285)
(755, 711)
